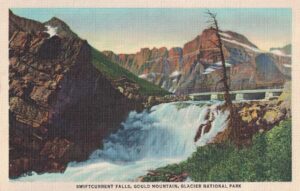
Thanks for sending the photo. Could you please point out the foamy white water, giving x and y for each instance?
(147, 140)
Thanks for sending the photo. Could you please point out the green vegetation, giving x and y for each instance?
(286, 95)
(114, 71)
(268, 159)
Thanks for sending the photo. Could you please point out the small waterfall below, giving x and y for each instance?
(147, 140)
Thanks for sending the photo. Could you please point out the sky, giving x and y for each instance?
(127, 30)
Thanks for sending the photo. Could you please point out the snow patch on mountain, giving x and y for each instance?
(209, 70)
(52, 31)
(279, 53)
(215, 66)
(225, 35)
(220, 64)
(175, 74)
(242, 44)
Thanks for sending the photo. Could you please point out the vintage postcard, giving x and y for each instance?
(147, 96)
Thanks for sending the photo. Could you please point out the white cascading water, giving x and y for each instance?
(147, 140)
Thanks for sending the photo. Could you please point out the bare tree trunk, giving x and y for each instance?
(233, 126)
(225, 78)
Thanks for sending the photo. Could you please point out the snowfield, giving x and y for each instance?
(52, 31)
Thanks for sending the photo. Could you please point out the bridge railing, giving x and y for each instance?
(261, 94)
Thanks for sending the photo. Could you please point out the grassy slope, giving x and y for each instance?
(268, 159)
(114, 71)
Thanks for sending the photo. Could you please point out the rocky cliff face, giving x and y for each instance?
(197, 68)
(61, 107)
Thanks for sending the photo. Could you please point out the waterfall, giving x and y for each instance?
(147, 140)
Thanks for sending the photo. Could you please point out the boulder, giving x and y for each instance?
(272, 116)
(27, 113)
(56, 149)
(41, 95)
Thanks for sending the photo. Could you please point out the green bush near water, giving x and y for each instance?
(114, 71)
(268, 159)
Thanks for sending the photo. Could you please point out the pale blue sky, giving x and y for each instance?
(126, 30)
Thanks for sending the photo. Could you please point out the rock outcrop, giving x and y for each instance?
(197, 68)
(61, 106)
(253, 117)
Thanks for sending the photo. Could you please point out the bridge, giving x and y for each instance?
(258, 94)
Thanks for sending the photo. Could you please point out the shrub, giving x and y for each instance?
(268, 159)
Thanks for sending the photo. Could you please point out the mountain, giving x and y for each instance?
(196, 67)
(60, 27)
(64, 96)
(286, 50)
(17, 23)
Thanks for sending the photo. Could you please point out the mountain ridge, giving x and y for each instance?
(20, 23)
(195, 66)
